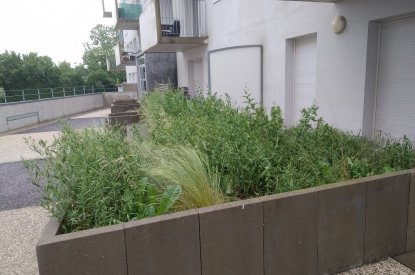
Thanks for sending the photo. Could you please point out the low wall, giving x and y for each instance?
(110, 97)
(21, 114)
(321, 230)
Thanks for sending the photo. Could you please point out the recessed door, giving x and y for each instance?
(304, 61)
(395, 96)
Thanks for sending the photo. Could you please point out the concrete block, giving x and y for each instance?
(407, 259)
(166, 245)
(290, 233)
(410, 243)
(124, 118)
(231, 237)
(124, 107)
(98, 251)
(386, 217)
(341, 227)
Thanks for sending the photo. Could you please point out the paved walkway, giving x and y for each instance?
(21, 219)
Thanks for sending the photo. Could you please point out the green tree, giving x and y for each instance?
(11, 71)
(39, 71)
(98, 49)
(69, 76)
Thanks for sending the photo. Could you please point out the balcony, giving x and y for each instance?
(127, 14)
(173, 25)
(121, 59)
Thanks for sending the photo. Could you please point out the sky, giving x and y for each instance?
(56, 28)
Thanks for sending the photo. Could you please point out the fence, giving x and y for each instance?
(45, 93)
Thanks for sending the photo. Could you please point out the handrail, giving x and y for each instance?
(11, 96)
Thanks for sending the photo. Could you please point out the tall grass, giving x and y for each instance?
(188, 169)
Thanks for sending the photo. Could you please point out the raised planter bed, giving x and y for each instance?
(321, 230)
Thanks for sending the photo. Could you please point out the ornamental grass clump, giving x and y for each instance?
(190, 171)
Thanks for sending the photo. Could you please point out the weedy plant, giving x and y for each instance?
(198, 152)
(92, 178)
(255, 154)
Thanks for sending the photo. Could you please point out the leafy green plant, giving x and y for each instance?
(255, 154)
(92, 178)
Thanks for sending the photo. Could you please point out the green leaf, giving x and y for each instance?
(169, 198)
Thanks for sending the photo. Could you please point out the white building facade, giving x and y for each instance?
(287, 53)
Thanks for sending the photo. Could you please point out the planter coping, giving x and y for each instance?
(334, 185)
(228, 205)
(50, 233)
(161, 218)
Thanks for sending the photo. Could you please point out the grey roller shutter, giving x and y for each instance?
(395, 97)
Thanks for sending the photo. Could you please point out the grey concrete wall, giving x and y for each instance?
(321, 230)
(161, 68)
(47, 109)
(110, 97)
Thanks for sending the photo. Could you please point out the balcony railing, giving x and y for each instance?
(183, 18)
(179, 23)
(128, 12)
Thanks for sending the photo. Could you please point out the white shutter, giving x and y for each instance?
(395, 98)
(305, 51)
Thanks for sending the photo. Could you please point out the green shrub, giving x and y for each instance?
(255, 154)
(92, 178)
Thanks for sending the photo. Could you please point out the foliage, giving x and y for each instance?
(255, 154)
(189, 170)
(91, 178)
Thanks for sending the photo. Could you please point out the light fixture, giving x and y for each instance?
(339, 24)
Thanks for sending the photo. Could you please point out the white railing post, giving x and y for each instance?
(51, 89)
(63, 90)
(74, 91)
(93, 90)
(38, 94)
(23, 95)
(84, 89)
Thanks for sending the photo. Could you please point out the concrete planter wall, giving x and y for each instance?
(322, 230)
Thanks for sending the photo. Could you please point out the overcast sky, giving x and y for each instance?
(56, 28)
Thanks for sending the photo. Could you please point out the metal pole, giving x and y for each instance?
(51, 89)
(93, 90)
(5, 97)
(104, 88)
(84, 89)
(63, 89)
(23, 95)
(74, 91)
(38, 94)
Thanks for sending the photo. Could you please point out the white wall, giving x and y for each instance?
(48, 109)
(341, 59)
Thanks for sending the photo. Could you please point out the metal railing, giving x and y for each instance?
(46, 93)
(129, 10)
(183, 18)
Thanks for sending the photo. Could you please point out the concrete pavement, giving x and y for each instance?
(21, 219)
